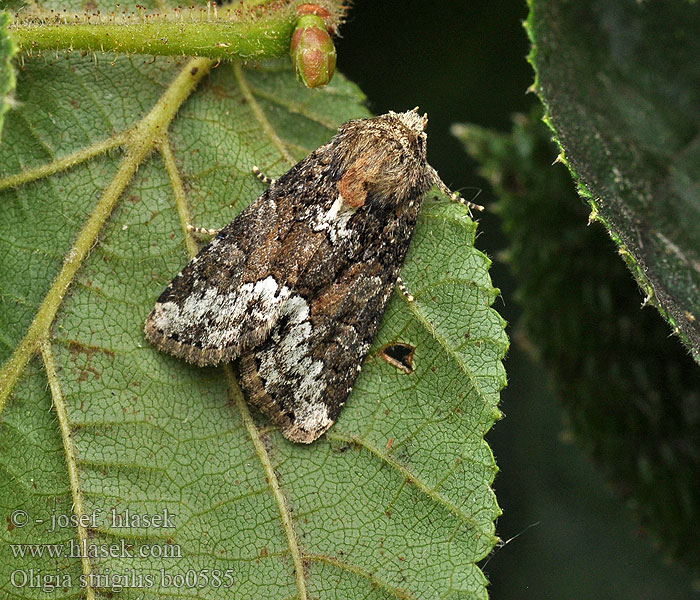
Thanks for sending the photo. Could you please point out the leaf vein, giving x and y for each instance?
(260, 115)
(254, 434)
(140, 145)
(355, 570)
(408, 475)
(71, 461)
(64, 163)
(273, 482)
(294, 108)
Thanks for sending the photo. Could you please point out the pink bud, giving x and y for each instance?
(312, 51)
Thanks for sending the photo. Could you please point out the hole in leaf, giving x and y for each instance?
(399, 355)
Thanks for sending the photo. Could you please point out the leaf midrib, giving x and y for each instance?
(140, 144)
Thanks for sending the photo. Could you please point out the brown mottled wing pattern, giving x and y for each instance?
(302, 374)
(297, 284)
(228, 297)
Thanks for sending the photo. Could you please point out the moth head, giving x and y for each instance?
(414, 125)
(412, 120)
(392, 133)
(385, 155)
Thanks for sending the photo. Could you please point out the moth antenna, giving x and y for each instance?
(424, 118)
(454, 196)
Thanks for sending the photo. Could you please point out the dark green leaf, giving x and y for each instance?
(632, 393)
(621, 84)
(12, 5)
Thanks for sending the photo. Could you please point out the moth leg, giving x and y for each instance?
(404, 290)
(202, 230)
(454, 196)
(212, 232)
(262, 177)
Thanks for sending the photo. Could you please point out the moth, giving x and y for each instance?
(296, 285)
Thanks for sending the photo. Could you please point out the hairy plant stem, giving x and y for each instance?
(239, 33)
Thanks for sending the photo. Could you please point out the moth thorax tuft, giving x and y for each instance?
(412, 120)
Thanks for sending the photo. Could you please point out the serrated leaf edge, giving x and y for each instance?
(633, 263)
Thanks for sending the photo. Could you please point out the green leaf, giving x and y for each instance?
(631, 392)
(621, 85)
(7, 72)
(108, 164)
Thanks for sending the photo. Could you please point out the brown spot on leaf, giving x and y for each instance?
(76, 350)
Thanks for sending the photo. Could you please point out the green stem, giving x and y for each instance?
(224, 34)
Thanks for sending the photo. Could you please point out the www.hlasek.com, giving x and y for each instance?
(84, 546)
(87, 549)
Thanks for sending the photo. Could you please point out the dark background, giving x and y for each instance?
(465, 62)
